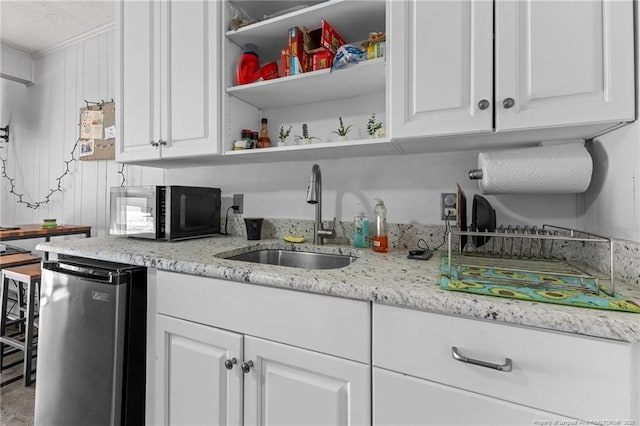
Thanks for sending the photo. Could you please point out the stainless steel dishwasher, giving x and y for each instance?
(91, 344)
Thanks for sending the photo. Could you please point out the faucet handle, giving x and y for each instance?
(329, 232)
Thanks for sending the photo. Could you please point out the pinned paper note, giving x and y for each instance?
(109, 132)
(91, 124)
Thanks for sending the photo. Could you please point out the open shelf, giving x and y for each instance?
(352, 19)
(316, 86)
(329, 150)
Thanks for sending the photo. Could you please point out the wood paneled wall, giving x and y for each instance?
(44, 129)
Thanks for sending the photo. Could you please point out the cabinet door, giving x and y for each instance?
(193, 385)
(440, 67)
(292, 386)
(138, 80)
(400, 400)
(191, 58)
(564, 62)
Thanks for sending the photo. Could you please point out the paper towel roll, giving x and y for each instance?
(553, 169)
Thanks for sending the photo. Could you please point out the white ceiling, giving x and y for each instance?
(32, 26)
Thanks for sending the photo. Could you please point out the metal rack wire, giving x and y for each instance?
(518, 250)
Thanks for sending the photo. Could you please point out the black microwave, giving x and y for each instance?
(164, 212)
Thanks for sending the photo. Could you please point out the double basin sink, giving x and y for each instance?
(296, 259)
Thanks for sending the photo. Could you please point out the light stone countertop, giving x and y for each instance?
(388, 278)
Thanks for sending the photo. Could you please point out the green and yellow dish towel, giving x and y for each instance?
(481, 280)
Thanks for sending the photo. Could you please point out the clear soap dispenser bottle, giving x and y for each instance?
(380, 240)
(361, 230)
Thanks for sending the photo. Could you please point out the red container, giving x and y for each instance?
(269, 71)
(248, 69)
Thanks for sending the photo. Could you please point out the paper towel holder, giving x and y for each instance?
(475, 174)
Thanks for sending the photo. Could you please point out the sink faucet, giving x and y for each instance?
(314, 196)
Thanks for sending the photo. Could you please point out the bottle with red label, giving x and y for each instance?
(264, 141)
(380, 239)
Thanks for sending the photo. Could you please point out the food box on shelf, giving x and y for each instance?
(297, 55)
(323, 38)
(320, 60)
(376, 50)
(375, 45)
(285, 62)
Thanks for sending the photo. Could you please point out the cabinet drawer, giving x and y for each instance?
(331, 325)
(576, 376)
(400, 400)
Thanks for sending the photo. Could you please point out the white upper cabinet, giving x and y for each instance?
(440, 67)
(137, 74)
(456, 74)
(563, 62)
(565, 66)
(169, 88)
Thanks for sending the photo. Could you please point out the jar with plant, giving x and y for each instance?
(374, 127)
(283, 135)
(342, 131)
(305, 139)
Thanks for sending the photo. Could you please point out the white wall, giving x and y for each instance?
(409, 185)
(612, 202)
(44, 126)
(43, 119)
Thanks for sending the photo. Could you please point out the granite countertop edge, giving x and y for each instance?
(389, 279)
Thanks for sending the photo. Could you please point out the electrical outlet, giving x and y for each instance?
(238, 200)
(447, 206)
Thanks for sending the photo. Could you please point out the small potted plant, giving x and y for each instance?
(305, 139)
(342, 131)
(283, 135)
(374, 127)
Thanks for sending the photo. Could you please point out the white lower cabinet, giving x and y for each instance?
(217, 361)
(231, 353)
(193, 385)
(401, 400)
(293, 386)
(505, 375)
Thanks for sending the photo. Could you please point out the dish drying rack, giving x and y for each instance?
(530, 250)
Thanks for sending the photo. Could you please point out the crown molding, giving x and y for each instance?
(77, 39)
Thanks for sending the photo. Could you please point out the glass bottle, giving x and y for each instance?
(264, 141)
(380, 240)
(246, 137)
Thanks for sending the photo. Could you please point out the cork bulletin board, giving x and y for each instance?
(98, 132)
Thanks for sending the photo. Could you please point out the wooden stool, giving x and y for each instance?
(29, 275)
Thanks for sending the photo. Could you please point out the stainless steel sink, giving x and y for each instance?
(296, 259)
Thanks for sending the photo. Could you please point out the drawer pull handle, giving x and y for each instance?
(500, 367)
